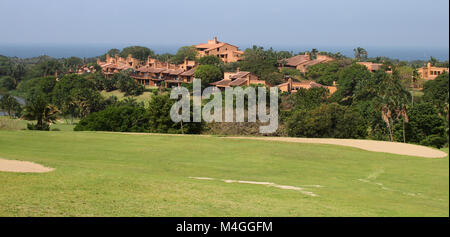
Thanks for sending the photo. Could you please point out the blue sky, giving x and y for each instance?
(382, 23)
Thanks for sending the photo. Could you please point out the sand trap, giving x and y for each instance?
(288, 187)
(369, 145)
(22, 166)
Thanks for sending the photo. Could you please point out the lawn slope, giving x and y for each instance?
(108, 174)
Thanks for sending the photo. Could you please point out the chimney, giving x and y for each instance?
(429, 68)
(307, 55)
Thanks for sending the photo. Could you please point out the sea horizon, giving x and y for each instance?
(406, 53)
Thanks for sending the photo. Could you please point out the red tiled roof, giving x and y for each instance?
(239, 75)
(238, 81)
(296, 60)
(188, 73)
(223, 82)
(209, 46)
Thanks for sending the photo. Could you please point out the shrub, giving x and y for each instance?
(327, 120)
(124, 118)
(42, 127)
(434, 141)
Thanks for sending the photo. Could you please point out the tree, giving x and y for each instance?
(160, 121)
(424, 121)
(76, 96)
(259, 61)
(9, 104)
(360, 54)
(314, 53)
(310, 98)
(73, 63)
(436, 92)
(124, 118)
(128, 85)
(7, 82)
(113, 52)
(324, 73)
(273, 78)
(210, 60)
(326, 120)
(49, 67)
(208, 74)
(393, 101)
(348, 79)
(159, 114)
(37, 108)
(185, 52)
(137, 52)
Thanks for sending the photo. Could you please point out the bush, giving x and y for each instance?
(327, 120)
(434, 141)
(42, 127)
(124, 118)
(160, 121)
(128, 85)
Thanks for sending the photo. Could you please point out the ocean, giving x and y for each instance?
(93, 50)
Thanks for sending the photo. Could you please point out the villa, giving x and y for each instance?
(430, 73)
(301, 62)
(373, 67)
(293, 86)
(238, 78)
(154, 72)
(226, 52)
(116, 64)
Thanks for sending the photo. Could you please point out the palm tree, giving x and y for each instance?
(360, 53)
(38, 109)
(314, 53)
(9, 104)
(393, 102)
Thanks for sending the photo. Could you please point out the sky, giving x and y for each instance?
(382, 23)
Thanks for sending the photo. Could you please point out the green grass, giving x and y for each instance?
(20, 124)
(112, 174)
(146, 96)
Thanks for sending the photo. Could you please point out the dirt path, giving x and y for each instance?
(22, 166)
(369, 145)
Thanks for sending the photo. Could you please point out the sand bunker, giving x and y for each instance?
(369, 145)
(288, 187)
(22, 166)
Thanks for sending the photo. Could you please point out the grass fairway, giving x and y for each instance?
(146, 96)
(107, 174)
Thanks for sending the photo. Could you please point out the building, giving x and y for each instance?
(155, 72)
(238, 78)
(226, 52)
(116, 64)
(188, 76)
(430, 73)
(373, 67)
(303, 61)
(293, 86)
